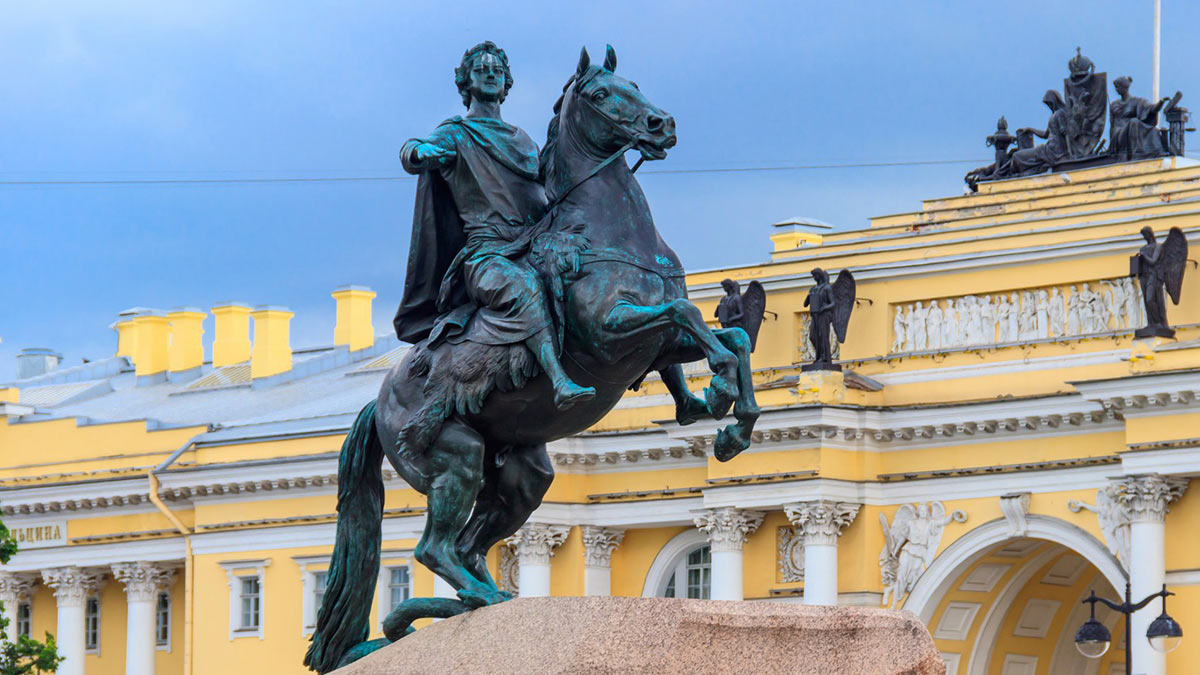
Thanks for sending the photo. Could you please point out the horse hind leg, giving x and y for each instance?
(688, 406)
(682, 315)
(514, 485)
(456, 463)
(734, 438)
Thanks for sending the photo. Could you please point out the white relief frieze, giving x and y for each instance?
(910, 543)
(1067, 311)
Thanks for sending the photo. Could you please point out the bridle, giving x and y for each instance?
(631, 139)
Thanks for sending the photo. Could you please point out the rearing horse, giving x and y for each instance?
(467, 424)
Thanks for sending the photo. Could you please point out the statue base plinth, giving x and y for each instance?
(817, 367)
(1154, 331)
(821, 386)
(596, 636)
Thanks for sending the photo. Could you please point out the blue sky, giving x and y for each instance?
(215, 90)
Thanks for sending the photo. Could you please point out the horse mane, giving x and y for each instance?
(546, 156)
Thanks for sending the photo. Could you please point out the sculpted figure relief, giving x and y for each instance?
(911, 542)
(742, 310)
(538, 292)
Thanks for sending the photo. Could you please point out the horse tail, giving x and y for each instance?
(343, 619)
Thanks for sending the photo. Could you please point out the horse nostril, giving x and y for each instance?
(654, 123)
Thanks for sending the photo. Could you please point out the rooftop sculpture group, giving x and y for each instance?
(538, 291)
(1074, 132)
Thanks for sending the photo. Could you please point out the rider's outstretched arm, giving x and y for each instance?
(433, 152)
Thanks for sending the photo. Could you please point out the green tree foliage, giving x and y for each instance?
(25, 655)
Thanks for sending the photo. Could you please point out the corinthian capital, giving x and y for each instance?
(15, 587)
(535, 542)
(599, 544)
(1145, 498)
(143, 581)
(71, 584)
(821, 521)
(727, 527)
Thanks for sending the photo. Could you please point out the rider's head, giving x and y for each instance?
(480, 71)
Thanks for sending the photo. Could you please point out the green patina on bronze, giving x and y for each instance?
(538, 292)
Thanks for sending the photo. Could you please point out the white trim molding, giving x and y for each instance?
(232, 569)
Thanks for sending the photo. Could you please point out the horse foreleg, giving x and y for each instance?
(631, 319)
(511, 492)
(456, 460)
(688, 406)
(735, 438)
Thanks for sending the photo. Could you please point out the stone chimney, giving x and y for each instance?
(125, 333)
(185, 354)
(231, 328)
(794, 233)
(272, 341)
(37, 361)
(151, 337)
(353, 327)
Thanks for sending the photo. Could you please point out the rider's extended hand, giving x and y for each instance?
(428, 152)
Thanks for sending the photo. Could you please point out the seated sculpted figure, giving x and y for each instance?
(478, 193)
(1029, 161)
(1133, 124)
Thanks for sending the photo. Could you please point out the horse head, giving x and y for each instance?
(608, 112)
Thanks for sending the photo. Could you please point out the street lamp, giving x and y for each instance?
(1093, 639)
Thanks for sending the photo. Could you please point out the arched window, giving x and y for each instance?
(692, 577)
(682, 568)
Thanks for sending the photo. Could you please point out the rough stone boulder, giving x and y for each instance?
(594, 636)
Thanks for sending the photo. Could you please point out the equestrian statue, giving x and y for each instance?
(538, 292)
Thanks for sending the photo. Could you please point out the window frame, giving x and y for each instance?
(237, 571)
(310, 567)
(383, 596)
(680, 580)
(27, 620)
(158, 614)
(89, 601)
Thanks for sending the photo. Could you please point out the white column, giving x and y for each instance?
(598, 546)
(535, 544)
(13, 589)
(820, 523)
(71, 587)
(143, 582)
(727, 529)
(1145, 500)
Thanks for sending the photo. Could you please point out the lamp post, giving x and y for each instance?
(1093, 639)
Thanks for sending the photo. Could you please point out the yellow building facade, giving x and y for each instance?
(998, 446)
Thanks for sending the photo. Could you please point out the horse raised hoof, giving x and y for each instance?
(719, 397)
(730, 442)
(690, 409)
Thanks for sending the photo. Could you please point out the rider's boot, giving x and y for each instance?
(566, 392)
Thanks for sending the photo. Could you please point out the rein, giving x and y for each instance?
(632, 141)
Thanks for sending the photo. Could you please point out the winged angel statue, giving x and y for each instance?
(1158, 267)
(910, 543)
(829, 306)
(744, 310)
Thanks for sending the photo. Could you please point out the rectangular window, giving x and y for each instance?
(162, 623)
(24, 619)
(320, 581)
(399, 586)
(251, 603)
(699, 573)
(91, 625)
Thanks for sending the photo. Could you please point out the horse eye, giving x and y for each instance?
(599, 95)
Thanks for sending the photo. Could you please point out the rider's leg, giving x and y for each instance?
(566, 392)
(510, 494)
(456, 462)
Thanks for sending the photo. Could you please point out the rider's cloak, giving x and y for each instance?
(487, 150)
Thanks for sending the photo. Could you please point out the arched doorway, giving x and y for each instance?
(999, 604)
